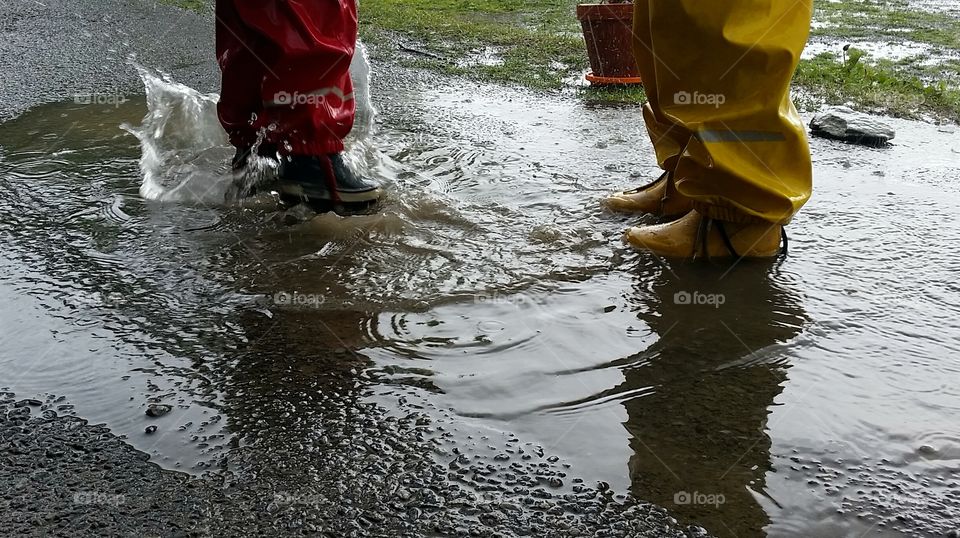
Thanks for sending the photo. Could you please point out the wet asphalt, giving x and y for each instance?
(61, 49)
(60, 475)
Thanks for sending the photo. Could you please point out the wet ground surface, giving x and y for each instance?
(482, 353)
(61, 49)
(932, 63)
(65, 477)
(951, 7)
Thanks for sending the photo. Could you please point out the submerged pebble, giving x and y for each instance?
(158, 410)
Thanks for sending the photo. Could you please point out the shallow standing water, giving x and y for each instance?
(492, 294)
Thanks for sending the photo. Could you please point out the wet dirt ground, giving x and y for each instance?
(483, 353)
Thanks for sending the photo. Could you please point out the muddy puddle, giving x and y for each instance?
(491, 295)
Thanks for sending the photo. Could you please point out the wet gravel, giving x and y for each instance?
(63, 49)
(865, 488)
(63, 476)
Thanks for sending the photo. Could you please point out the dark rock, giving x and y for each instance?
(844, 123)
(297, 214)
(158, 410)
(150, 429)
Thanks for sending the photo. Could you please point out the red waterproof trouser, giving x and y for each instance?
(286, 72)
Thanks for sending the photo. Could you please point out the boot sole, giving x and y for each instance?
(295, 190)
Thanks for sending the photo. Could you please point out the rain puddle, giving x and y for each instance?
(487, 56)
(950, 7)
(813, 396)
(895, 52)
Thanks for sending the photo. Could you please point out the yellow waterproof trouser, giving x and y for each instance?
(717, 74)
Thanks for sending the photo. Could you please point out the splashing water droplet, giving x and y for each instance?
(185, 151)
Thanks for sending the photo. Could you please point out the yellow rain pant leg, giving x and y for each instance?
(717, 75)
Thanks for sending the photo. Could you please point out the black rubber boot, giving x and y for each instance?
(324, 179)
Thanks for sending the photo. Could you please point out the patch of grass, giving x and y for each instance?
(886, 20)
(614, 94)
(192, 5)
(537, 41)
(880, 87)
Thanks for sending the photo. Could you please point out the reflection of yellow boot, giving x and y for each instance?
(658, 198)
(694, 236)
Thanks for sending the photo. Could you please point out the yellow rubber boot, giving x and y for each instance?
(717, 77)
(696, 236)
(658, 198)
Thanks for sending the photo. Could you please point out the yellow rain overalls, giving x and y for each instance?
(717, 75)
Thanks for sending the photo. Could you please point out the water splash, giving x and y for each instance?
(185, 153)
(183, 147)
(361, 153)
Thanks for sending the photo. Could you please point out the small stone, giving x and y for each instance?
(844, 123)
(158, 410)
(297, 214)
(150, 429)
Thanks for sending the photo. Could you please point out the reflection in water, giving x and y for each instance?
(700, 435)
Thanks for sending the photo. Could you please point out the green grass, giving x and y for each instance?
(536, 40)
(890, 19)
(614, 94)
(880, 86)
(193, 5)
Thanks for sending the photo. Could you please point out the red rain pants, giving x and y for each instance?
(286, 71)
